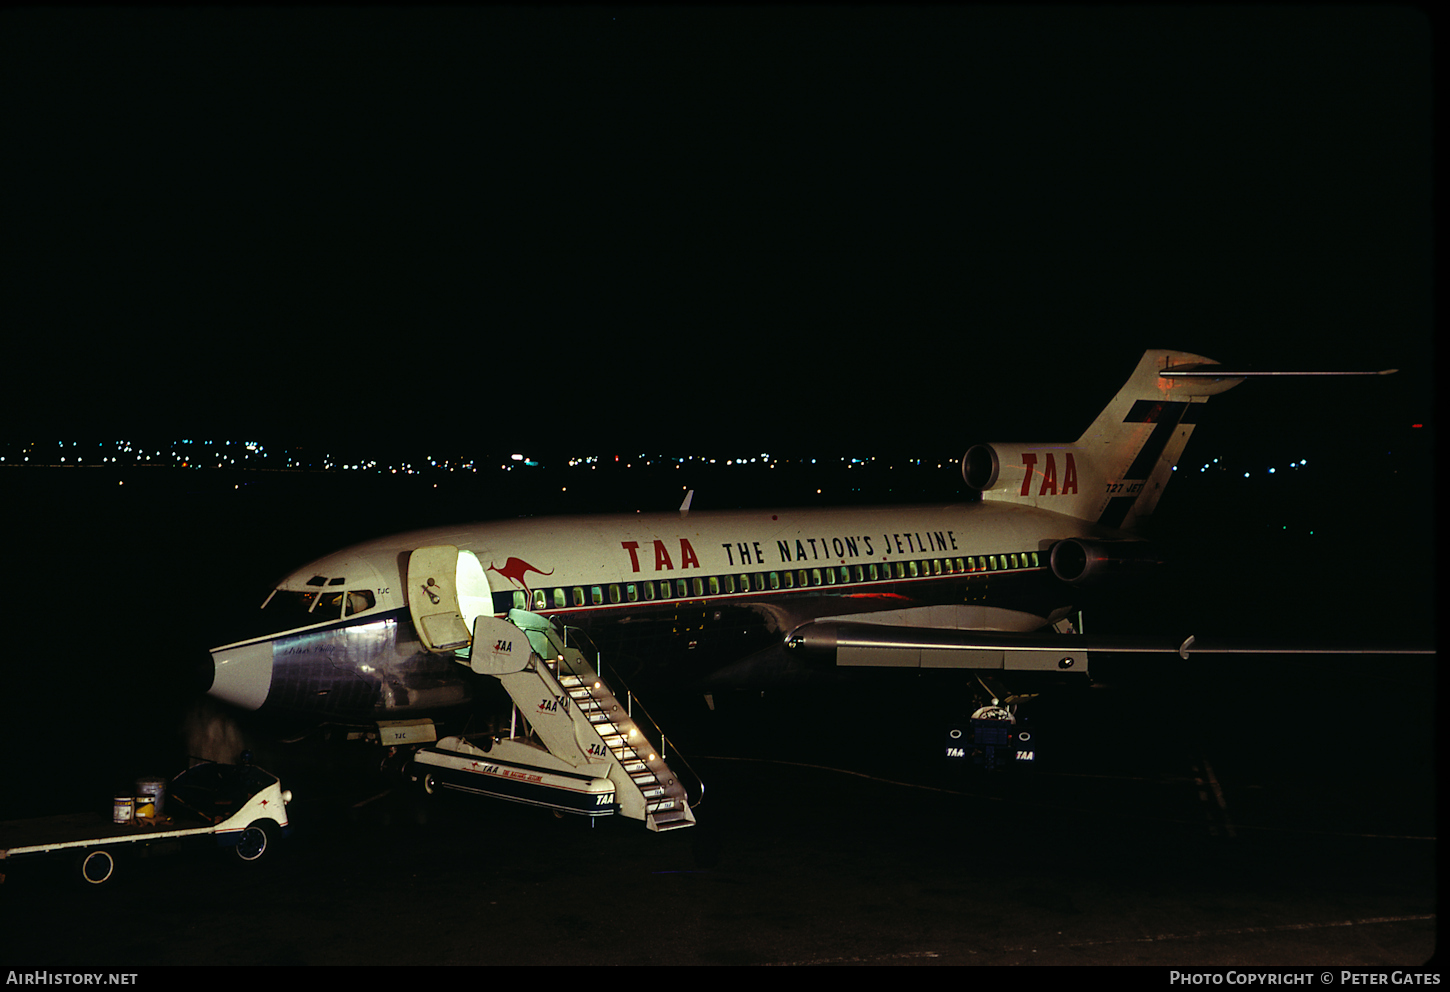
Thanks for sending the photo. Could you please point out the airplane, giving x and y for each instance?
(392, 636)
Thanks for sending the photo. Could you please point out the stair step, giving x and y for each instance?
(671, 820)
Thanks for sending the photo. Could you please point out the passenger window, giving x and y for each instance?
(680, 588)
(729, 583)
(541, 599)
(649, 591)
(714, 585)
(359, 600)
(845, 574)
(775, 580)
(860, 574)
(596, 596)
(911, 569)
(815, 576)
(760, 581)
(830, 576)
(614, 592)
(871, 571)
(578, 595)
(558, 599)
(521, 600)
(1034, 560)
(631, 592)
(699, 586)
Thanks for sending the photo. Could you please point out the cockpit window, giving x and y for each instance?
(298, 609)
(358, 600)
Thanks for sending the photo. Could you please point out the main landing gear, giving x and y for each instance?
(995, 735)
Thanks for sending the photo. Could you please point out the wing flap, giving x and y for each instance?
(873, 645)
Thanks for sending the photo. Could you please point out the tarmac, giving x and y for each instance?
(1163, 826)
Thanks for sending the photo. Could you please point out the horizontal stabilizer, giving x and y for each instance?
(1211, 371)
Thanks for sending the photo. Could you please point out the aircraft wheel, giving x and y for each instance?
(96, 867)
(255, 841)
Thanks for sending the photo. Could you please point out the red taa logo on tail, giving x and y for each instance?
(515, 569)
(1048, 475)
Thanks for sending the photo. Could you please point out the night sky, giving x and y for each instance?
(697, 229)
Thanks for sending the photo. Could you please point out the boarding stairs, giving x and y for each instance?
(578, 718)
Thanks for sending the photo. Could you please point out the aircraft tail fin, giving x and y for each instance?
(1115, 473)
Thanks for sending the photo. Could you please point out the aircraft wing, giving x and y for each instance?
(849, 643)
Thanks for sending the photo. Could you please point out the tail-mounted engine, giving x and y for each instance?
(1082, 562)
(981, 467)
(1042, 474)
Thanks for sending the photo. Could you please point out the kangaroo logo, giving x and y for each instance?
(515, 569)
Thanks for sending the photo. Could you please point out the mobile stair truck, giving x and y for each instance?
(588, 754)
(240, 808)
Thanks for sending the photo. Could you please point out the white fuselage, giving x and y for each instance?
(723, 584)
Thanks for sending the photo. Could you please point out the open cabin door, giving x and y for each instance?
(433, 598)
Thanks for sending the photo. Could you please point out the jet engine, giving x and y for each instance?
(1020, 469)
(981, 467)
(1078, 561)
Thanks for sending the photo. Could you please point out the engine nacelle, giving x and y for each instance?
(1082, 562)
(1025, 472)
(982, 466)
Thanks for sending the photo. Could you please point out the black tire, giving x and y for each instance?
(255, 841)
(96, 866)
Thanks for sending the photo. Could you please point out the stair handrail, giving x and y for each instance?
(584, 644)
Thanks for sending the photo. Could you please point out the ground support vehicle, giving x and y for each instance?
(240, 808)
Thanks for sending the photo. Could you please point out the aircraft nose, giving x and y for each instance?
(242, 675)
